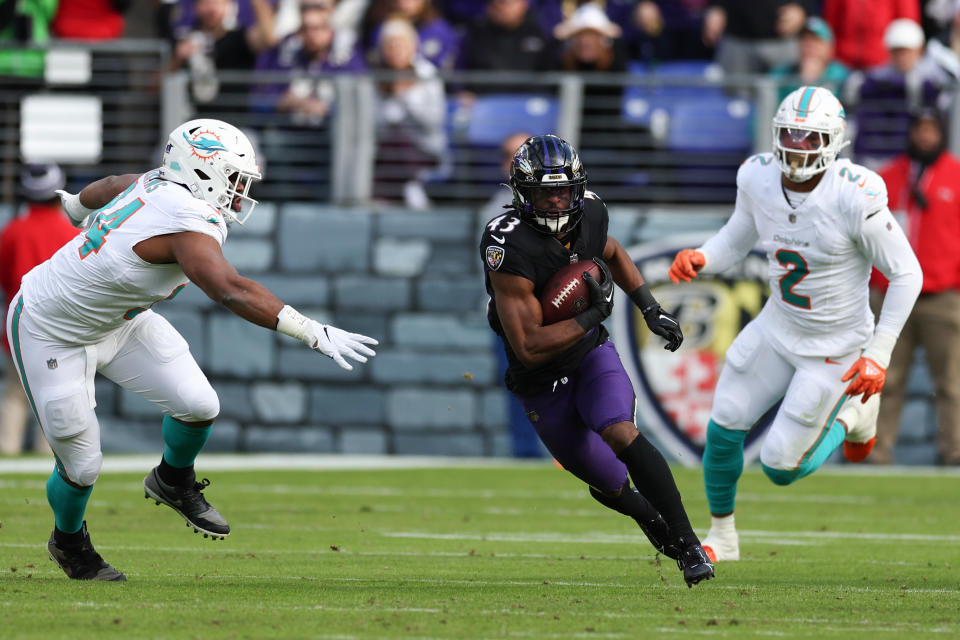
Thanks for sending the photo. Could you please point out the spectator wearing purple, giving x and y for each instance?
(411, 114)
(438, 39)
(508, 37)
(309, 54)
(214, 43)
(461, 13)
(754, 37)
(662, 29)
(886, 96)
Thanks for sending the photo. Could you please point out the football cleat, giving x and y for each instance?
(695, 564)
(81, 561)
(722, 546)
(859, 420)
(189, 502)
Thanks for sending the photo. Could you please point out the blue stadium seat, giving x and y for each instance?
(673, 82)
(711, 123)
(496, 116)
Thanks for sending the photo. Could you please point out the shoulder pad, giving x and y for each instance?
(756, 166)
(861, 190)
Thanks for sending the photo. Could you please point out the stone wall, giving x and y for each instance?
(414, 281)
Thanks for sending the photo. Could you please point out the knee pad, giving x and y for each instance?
(83, 470)
(200, 402)
(729, 411)
(67, 415)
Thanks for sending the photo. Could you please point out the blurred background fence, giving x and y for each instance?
(370, 228)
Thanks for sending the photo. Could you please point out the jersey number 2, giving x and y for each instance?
(790, 279)
(104, 223)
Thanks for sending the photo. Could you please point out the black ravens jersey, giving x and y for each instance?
(511, 246)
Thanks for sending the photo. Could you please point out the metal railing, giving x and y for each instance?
(649, 136)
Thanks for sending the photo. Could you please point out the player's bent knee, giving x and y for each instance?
(781, 477)
(805, 403)
(730, 412)
(84, 470)
(199, 402)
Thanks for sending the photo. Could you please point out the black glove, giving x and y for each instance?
(660, 322)
(665, 325)
(601, 297)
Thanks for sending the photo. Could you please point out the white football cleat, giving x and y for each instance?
(722, 543)
(859, 419)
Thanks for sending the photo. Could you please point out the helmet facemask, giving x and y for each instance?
(800, 152)
(554, 209)
(808, 133)
(549, 184)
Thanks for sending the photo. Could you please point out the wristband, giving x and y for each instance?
(73, 207)
(880, 349)
(589, 318)
(292, 323)
(642, 297)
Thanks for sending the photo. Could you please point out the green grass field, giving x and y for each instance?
(513, 551)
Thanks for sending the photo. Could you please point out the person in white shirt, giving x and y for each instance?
(88, 309)
(823, 224)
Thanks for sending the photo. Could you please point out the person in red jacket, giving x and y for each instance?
(859, 26)
(25, 242)
(924, 188)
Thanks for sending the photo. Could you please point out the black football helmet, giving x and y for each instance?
(548, 184)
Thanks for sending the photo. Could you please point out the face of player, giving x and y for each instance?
(802, 141)
(553, 198)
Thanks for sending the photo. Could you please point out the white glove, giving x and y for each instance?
(77, 213)
(327, 339)
(337, 343)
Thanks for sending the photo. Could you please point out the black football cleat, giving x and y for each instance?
(189, 502)
(695, 564)
(81, 561)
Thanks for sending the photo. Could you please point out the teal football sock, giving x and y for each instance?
(68, 502)
(722, 466)
(183, 442)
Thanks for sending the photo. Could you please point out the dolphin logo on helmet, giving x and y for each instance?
(216, 162)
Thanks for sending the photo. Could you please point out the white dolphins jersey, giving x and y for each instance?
(96, 282)
(819, 254)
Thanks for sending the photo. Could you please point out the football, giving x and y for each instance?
(566, 293)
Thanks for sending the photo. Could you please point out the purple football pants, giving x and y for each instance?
(570, 416)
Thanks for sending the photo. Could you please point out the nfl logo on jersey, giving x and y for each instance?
(52, 363)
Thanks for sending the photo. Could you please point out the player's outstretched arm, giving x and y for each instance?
(203, 262)
(94, 196)
(522, 318)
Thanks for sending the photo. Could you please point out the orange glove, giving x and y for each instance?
(686, 265)
(868, 378)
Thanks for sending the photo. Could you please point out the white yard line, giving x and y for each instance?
(129, 463)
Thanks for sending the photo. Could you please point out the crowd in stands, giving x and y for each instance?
(884, 58)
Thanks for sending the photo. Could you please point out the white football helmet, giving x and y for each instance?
(216, 161)
(808, 132)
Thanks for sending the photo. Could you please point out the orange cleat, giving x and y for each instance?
(858, 451)
(710, 553)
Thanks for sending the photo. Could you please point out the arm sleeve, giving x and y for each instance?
(885, 244)
(732, 243)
